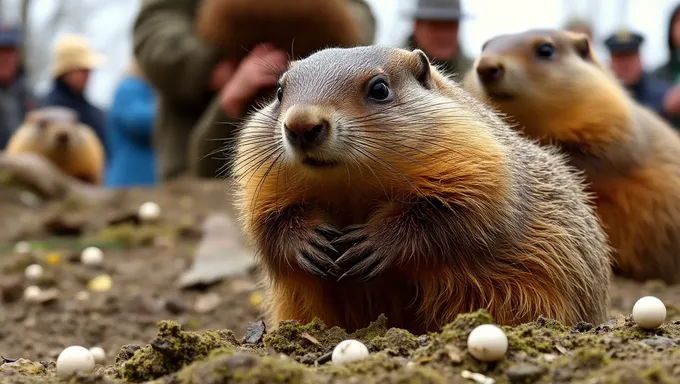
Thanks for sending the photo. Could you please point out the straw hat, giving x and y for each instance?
(72, 52)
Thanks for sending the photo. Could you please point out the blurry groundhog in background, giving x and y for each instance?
(58, 135)
(298, 27)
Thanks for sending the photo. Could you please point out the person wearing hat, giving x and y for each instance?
(72, 61)
(579, 25)
(15, 98)
(435, 32)
(626, 63)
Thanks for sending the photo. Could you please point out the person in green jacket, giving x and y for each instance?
(202, 97)
(435, 32)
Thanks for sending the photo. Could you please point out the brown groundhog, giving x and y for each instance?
(552, 86)
(374, 184)
(57, 134)
(298, 27)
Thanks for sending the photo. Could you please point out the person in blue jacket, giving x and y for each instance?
(131, 158)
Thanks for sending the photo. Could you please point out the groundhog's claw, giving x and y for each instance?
(313, 255)
(365, 257)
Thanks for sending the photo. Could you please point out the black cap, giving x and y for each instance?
(624, 42)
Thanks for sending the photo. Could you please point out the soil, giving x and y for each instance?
(152, 330)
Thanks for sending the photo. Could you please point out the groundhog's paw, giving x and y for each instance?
(367, 255)
(313, 252)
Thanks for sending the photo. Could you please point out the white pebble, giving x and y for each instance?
(149, 211)
(83, 296)
(22, 248)
(75, 359)
(487, 342)
(649, 312)
(32, 293)
(349, 350)
(98, 354)
(33, 271)
(92, 256)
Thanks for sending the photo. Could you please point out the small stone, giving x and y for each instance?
(33, 271)
(92, 256)
(126, 352)
(32, 293)
(423, 340)
(83, 296)
(525, 373)
(22, 248)
(99, 354)
(100, 283)
(549, 357)
(174, 306)
(207, 303)
(660, 342)
(75, 359)
(255, 332)
(582, 327)
(477, 377)
(149, 211)
(11, 288)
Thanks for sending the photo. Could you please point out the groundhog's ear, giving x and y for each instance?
(422, 69)
(581, 44)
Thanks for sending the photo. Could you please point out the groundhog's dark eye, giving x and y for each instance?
(279, 94)
(379, 91)
(545, 51)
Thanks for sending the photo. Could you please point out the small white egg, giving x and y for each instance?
(22, 248)
(98, 354)
(649, 312)
(149, 211)
(487, 342)
(349, 350)
(92, 256)
(32, 293)
(75, 359)
(33, 271)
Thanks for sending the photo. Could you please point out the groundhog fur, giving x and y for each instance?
(554, 89)
(420, 205)
(298, 27)
(57, 134)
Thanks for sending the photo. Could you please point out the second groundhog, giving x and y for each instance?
(57, 134)
(552, 86)
(374, 184)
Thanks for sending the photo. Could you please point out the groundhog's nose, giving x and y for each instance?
(489, 70)
(303, 130)
(62, 138)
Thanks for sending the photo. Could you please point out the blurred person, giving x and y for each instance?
(129, 131)
(15, 98)
(435, 31)
(670, 71)
(645, 88)
(202, 96)
(579, 25)
(72, 61)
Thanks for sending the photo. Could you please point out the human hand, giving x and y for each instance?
(671, 102)
(260, 69)
(221, 74)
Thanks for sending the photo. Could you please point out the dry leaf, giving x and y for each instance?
(311, 338)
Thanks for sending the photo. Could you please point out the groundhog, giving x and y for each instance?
(57, 134)
(298, 27)
(374, 184)
(551, 86)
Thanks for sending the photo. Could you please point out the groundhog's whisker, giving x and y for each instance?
(263, 178)
(393, 137)
(256, 158)
(379, 144)
(371, 156)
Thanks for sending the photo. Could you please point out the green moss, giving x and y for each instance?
(245, 368)
(22, 367)
(397, 341)
(375, 329)
(534, 338)
(374, 364)
(289, 338)
(132, 235)
(172, 349)
(591, 357)
(655, 374)
(464, 323)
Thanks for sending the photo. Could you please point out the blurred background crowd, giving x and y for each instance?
(154, 94)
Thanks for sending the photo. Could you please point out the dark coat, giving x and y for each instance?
(671, 69)
(650, 92)
(456, 66)
(15, 101)
(62, 96)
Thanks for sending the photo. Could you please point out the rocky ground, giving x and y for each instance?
(154, 326)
